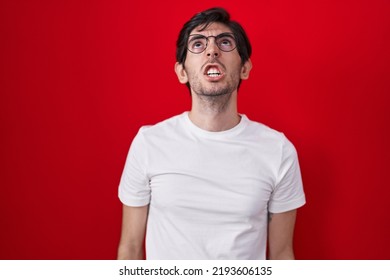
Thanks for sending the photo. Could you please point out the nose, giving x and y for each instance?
(212, 49)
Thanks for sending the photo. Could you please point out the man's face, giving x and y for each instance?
(212, 72)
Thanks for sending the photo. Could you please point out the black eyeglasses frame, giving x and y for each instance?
(200, 36)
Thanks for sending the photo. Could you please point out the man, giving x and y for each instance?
(210, 183)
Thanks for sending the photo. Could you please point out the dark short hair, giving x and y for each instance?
(204, 19)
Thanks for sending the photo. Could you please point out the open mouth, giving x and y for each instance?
(213, 71)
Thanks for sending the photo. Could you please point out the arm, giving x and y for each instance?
(131, 245)
(280, 235)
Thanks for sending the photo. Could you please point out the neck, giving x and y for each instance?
(215, 113)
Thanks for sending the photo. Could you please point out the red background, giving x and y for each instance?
(78, 79)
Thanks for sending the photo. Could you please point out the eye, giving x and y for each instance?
(226, 42)
(197, 44)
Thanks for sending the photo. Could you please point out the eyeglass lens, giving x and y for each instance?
(198, 43)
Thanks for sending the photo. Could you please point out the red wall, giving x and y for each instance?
(78, 78)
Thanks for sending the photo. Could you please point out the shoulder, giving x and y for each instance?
(266, 134)
(270, 141)
(161, 128)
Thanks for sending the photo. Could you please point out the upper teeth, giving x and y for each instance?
(213, 72)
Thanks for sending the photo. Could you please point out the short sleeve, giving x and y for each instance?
(288, 193)
(134, 187)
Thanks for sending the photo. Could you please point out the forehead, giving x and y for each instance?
(214, 29)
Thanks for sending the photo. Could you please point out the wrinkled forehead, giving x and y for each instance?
(213, 29)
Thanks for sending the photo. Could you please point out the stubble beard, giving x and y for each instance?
(216, 97)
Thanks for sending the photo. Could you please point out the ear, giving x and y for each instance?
(181, 73)
(246, 69)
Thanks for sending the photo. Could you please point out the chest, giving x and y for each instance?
(210, 179)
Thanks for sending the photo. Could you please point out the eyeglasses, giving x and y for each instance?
(197, 43)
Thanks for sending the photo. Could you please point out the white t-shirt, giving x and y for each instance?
(210, 192)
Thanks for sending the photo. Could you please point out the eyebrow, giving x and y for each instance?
(197, 36)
